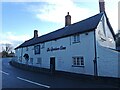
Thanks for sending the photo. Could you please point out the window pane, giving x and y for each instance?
(74, 61)
(82, 61)
(74, 38)
(39, 61)
(78, 61)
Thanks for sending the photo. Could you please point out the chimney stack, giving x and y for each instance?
(67, 19)
(35, 33)
(101, 5)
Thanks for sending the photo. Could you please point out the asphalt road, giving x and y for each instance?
(16, 78)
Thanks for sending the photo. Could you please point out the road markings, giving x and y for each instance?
(33, 82)
(4, 72)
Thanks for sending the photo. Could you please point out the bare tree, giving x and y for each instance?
(6, 49)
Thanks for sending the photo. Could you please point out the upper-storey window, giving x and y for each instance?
(42, 45)
(37, 49)
(26, 48)
(76, 38)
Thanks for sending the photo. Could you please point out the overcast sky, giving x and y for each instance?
(21, 17)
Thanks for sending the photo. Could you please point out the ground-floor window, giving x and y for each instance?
(31, 60)
(20, 58)
(78, 61)
(39, 61)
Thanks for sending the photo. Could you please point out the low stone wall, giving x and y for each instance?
(29, 67)
(84, 78)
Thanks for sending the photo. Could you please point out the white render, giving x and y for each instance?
(107, 59)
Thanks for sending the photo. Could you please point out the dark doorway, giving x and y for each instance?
(52, 64)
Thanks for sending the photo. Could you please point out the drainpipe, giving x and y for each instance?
(95, 58)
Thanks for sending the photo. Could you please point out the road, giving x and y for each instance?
(16, 78)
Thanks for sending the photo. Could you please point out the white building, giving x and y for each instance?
(86, 47)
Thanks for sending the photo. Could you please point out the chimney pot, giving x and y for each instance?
(35, 33)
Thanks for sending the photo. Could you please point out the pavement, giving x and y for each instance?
(13, 77)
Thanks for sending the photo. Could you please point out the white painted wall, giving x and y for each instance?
(63, 58)
(109, 41)
(119, 64)
(107, 62)
(107, 59)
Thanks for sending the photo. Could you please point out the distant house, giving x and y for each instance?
(86, 47)
(11, 54)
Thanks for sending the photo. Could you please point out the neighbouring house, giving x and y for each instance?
(118, 40)
(86, 47)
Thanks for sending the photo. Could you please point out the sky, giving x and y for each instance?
(20, 18)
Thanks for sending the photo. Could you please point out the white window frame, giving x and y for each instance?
(76, 38)
(78, 61)
(39, 61)
(42, 45)
(37, 49)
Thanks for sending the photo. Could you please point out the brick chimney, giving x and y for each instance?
(101, 5)
(67, 19)
(35, 33)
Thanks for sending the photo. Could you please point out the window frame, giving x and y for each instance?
(37, 49)
(27, 48)
(78, 61)
(76, 38)
(39, 61)
(42, 45)
(31, 61)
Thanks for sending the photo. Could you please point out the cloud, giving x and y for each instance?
(112, 13)
(55, 11)
(12, 38)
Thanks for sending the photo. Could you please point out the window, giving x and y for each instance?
(20, 58)
(26, 48)
(76, 38)
(39, 61)
(78, 61)
(31, 60)
(42, 45)
(37, 49)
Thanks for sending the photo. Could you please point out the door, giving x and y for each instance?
(52, 64)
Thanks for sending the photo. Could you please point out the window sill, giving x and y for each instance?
(76, 42)
(77, 65)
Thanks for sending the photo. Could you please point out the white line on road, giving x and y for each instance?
(33, 82)
(4, 72)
